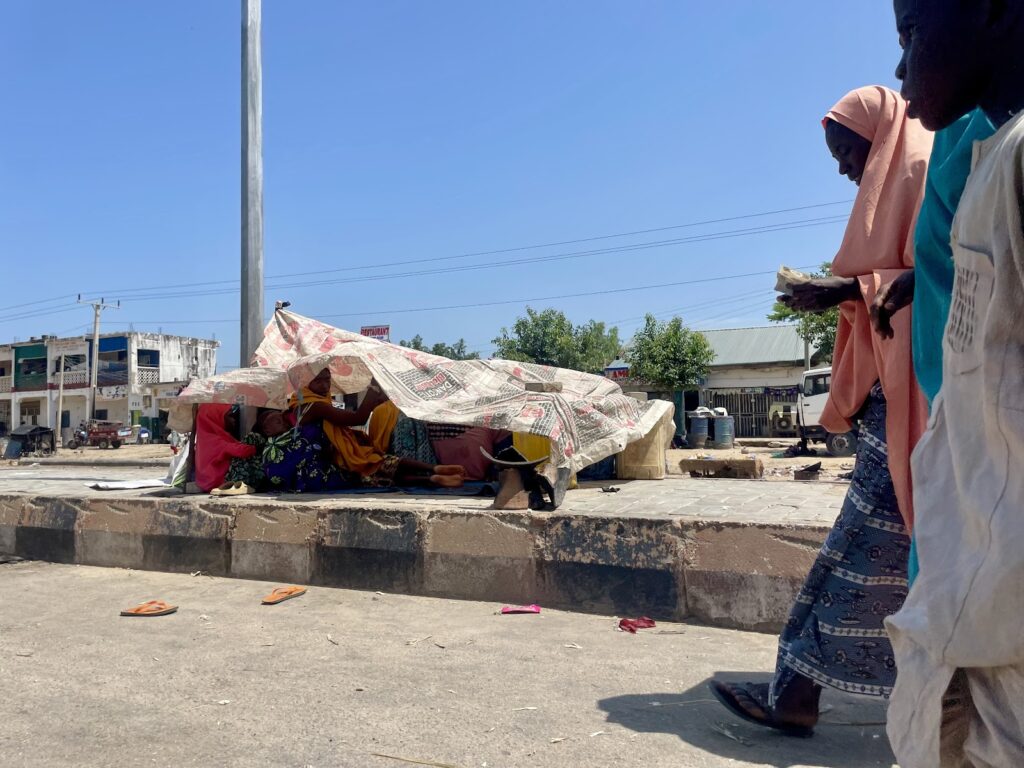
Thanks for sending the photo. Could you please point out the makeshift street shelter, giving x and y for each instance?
(588, 420)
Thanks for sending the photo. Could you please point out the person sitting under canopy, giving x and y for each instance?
(365, 453)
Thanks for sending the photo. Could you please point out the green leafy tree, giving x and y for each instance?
(669, 355)
(596, 346)
(817, 328)
(456, 351)
(548, 337)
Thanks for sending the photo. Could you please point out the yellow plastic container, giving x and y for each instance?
(534, 447)
(645, 459)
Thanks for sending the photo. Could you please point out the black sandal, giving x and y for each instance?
(727, 694)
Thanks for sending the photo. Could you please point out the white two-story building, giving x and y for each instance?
(129, 366)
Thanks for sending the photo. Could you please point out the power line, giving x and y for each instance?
(728, 234)
(125, 291)
(605, 292)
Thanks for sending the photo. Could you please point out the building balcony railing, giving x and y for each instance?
(6, 383)
(72, 378)
(146, 375)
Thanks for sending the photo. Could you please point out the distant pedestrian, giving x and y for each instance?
(834, 636)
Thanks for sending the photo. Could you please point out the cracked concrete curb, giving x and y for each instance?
(738, 575)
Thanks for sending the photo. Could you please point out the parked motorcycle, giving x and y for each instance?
(79, 437)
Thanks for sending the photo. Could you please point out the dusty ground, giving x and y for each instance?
(142, 455)
(777, 466)
(343, 678)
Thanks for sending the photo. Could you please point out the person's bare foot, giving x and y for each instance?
(450, 469)
(447, 481)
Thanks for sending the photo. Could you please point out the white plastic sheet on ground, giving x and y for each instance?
(587, 421)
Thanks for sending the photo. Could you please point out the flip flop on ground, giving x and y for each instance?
(151, 608)
(280, 594)
(749, 701)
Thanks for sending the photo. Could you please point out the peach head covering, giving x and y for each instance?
(877, 247)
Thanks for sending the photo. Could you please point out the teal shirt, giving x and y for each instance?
(948, 170)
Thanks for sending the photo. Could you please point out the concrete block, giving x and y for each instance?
(748, 467)
(771, 550)
(490, 578)
(110, 533)
(7, 539)
(631, 543)
(10, 513)
(185, 554)
(275, 524)
(752, 602)
(111, 549)
(609, 589)
(746, 576)
(376, 569)
(46, 530)
(274, 543)
(476, 535)
(371, 529)
(270, 561)
(192, 519)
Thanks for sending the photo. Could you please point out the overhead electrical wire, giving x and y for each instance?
(125, 291)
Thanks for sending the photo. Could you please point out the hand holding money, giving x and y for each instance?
(803, 293)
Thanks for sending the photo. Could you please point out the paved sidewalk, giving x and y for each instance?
(740, 501)
(339, 678)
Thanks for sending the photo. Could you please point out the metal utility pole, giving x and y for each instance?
(97, 308)
(252, 182)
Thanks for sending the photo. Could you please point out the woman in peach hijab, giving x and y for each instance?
(834, 636)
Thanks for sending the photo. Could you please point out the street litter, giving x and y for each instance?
(598, 733)
(411, 761)
(419, 640)
(24, 654)
(280, 594)
(610, 489)
(222, 702)
(632, 625)
(513, 609)
(558, 739)
(524, 709)
(723, 729)
(150, 608)
(573, 646)
(332, 640)
(126, 485)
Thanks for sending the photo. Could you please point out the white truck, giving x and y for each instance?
(811, 401)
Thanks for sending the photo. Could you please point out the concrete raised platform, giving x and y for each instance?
(726, 552)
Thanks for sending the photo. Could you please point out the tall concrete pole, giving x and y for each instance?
(94, 364)
(60, 406)
(252, 182)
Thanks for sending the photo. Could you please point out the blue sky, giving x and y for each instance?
(408, 131)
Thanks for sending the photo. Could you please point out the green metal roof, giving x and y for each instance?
(767, 345)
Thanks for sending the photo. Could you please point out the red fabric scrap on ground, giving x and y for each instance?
(632, 625)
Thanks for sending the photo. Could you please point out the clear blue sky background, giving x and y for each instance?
(398, 131)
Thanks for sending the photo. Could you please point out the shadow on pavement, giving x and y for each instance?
(850, 734)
